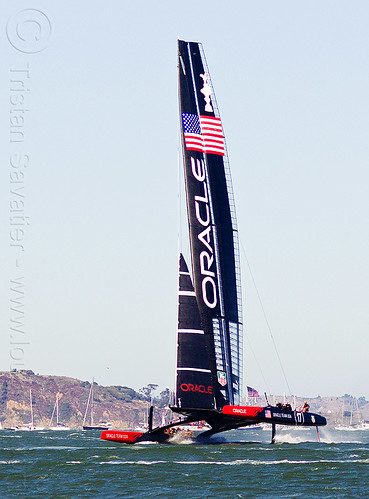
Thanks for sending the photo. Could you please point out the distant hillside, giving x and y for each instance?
(120, 405)
(336, 409)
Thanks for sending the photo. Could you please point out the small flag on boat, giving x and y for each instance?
(203, 133)
(222, 378)
(251, 392)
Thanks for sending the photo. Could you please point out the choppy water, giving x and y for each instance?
(71, 464)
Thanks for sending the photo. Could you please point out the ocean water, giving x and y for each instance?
(237, 464)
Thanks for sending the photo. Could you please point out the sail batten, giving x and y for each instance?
(193, 369)
(187, 293)
(190, 331)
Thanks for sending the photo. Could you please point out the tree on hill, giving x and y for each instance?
(147, 391)
(163, 399)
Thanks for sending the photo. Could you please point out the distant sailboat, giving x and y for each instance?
(59, 426)
(102, 425)
(356, 421)
(210, 343)
(31, 426)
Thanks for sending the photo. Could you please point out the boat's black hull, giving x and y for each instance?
(237, 416)
(230, 418)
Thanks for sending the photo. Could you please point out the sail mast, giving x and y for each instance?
(212, 224)
(30, 401)
(87, 406)
(57, 409)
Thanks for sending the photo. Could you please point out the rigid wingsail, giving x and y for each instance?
(209, 352)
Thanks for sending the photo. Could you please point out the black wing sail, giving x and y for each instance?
(194, 376)
(212, 224)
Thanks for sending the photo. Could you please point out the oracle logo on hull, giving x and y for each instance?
(206, 257)
(188, 387)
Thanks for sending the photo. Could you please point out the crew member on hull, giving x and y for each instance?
(305, 407)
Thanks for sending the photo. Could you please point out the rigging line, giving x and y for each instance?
(179, 198)
(266, 320)
(258, 364)
(179, 201)
(179, 240)
(179, 244)
(180, 180)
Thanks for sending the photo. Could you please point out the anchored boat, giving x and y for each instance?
(102, 425)
(59, 426)
(209, 355)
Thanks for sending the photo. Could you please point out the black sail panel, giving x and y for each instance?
(218, 188)
(197, 195)
(212, 226)
(194, 376)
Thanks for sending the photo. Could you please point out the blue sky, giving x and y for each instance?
(99, 247)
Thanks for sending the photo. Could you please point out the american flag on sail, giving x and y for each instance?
(203, 133)
(251, 392)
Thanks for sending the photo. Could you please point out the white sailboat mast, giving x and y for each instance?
(87, 405)
(92, 402)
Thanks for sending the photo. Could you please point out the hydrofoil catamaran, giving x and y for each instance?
(209, 354)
